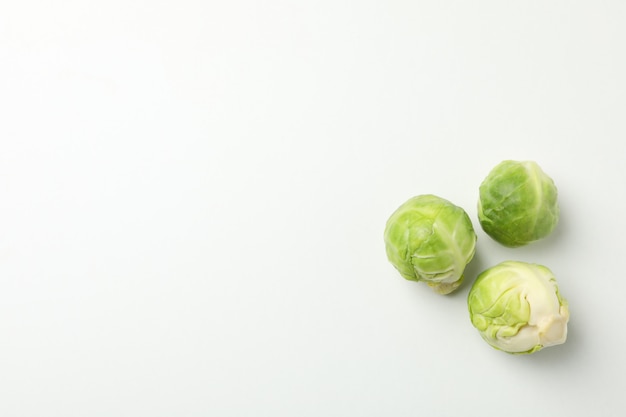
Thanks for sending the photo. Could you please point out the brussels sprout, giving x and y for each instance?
(430, 239)
(518, 203)
(517, 307)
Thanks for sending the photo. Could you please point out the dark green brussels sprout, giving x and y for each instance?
(518, 203)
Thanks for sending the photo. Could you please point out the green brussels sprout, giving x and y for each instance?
(430, 239)
(517, 307)
(518, 203)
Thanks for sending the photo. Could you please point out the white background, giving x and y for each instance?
(193, 196)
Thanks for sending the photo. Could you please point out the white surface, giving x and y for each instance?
(193, 194)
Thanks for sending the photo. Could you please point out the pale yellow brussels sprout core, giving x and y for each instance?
(517, 307)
